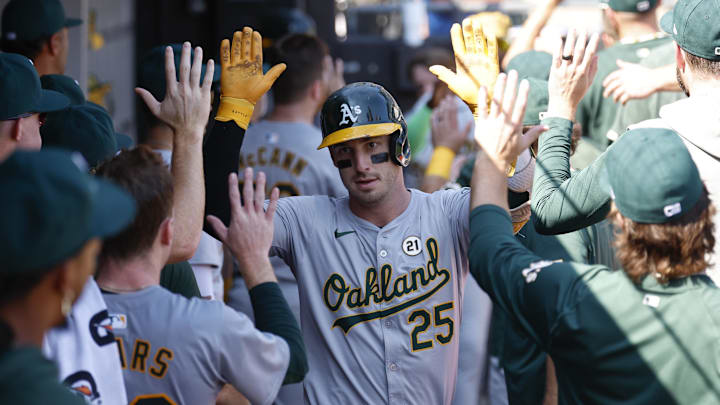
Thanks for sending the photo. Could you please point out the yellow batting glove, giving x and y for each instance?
(242, 81)
(476, 63)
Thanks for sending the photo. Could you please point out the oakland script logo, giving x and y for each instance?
(380, 287)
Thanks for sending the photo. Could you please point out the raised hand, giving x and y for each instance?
(186, 106)
(499, 131)
(476, 63)
(571, 74)
(446, 130)
(242, 81)
(631, 81)
(333, 73)
(250, 232)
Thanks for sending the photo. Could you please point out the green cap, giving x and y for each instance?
(151, 75)
(20, 90)
(633, 6)
(532, 64)
(54, 208)
(537, 104)
(85, 128)
(28, 20)
(65, 85)
(652, 177)
(695, 26)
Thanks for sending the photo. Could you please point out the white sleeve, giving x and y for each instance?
(254, 362)
(456, 204)
(282, 231)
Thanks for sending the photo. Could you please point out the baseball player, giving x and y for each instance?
(54, 215)
(284, 147)
(613, 335)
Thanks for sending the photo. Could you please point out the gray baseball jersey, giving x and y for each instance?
(306, 171)
(380, 307)
(179, 351)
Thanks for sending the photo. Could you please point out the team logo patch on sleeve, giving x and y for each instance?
(118, 321)
(531, 272)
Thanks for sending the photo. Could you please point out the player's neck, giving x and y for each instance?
(303, 112)
(383, 212)
(46, 65)
(130, 275)
(31, 316)
(637, 29)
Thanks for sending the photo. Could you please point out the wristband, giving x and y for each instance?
(441, 162)
(235, 109)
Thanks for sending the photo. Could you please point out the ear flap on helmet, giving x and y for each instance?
(399, 140)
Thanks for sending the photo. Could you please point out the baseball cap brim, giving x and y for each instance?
(73, 22)
(666, 23)
(51, 100)
(113, 209)
(124, 141)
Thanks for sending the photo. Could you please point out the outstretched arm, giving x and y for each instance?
(185, 109)
(242, 83)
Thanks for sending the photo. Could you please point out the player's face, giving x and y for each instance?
(366, 169)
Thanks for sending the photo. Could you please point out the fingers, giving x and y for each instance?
(498, 92)
(612, 77)
(234, 195)
(579, 52)
(220, 228)
(339, 67)
(458, 43)
(224, 53)
(520, 102)
(590, 52)
(557, 54)
(479, 38)
(532, 135)
(468, 128)
(624, 98)
(209, 72)
(256, 53)
(185, 64)
(468, 36)
(152, 104)
(247, 192)
(259, 199)
(569, 43)
(246, 47)
(170, 75)
(482, 112)
(196, 68)
(236, 51)
(274, 196)
(611, 87)
(492, 48)
(508, 99)
(275, 72)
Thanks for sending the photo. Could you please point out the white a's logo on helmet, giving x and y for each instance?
(347, 113)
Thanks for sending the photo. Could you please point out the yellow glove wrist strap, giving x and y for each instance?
(441, 162)
(235, 109)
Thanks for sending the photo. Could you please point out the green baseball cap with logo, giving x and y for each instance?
(65, 85)
(633, 6)
(52, 208)
(532, 64)
(151, 75)
(28, 20)
(537, 104)
(20, 90)
(86, 128)
(652, 177)
(695, 26)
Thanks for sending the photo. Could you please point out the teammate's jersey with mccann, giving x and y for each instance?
(379, 306)
(85, 352)
(179, 351)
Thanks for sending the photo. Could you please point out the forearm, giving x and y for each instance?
(666, 78)
(222, 155)
(530, 30)
(273, 315)
(562, 203)
(488, 185)
(188, 196)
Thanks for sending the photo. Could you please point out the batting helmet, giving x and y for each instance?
(363, 110)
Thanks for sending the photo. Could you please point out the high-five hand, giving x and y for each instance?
(476, 63)
(573, 68)
(242, 81)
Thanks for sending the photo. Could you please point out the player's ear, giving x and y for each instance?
(55, 43)
(317, 90)
(679, 58)
(15, 131)
(165, 233)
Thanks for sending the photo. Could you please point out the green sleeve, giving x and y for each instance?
(562, 203)
(534, 293)
(179, 279)
(273, 315)
(418, 127)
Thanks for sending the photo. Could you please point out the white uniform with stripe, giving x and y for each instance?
(380, 307)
